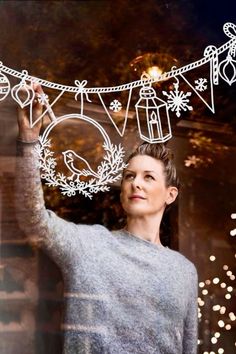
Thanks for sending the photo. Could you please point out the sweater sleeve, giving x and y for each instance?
(40, 225)
(190, 334)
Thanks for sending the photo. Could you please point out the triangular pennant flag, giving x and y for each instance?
(43, 98)
(117, 109)
(202, 85)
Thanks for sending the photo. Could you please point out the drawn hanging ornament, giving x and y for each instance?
(23, 93)
(4, 85)
(227, 69)
(152, 114)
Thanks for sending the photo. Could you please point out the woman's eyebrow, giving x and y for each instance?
(146, 171)
(128, 171)
(151, 171)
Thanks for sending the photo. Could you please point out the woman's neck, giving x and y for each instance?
(147, 228)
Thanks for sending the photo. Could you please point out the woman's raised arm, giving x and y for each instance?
(40, 225)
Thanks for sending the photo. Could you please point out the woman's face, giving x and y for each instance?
(143, 189)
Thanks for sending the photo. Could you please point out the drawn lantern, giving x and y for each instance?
(152, 115)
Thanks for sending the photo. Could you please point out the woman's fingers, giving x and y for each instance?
(26, 132)
(37, 88)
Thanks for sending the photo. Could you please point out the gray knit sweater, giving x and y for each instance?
(123, 295)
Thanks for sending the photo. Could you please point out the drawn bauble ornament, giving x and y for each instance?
(4, 86)
(22, 93)
(227, 70)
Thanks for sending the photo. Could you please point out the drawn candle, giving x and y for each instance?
(152, 114)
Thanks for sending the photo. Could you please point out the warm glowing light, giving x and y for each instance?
(154, 72)
(223, 285)
(230, 289)
(222, 310)
(228, 317)
(233, 232)
(200, 303)
(233, 216)
(216, 308)
(216, 280)
(217, 334)
(221, 323)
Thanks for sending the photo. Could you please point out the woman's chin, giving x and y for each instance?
(135, 211)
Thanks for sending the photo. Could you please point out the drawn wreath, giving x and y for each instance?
(109, 171)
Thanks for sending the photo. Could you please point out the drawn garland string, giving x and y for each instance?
(231, 43)
(152, 115)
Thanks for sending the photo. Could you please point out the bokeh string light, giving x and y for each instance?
(233, 231)
(224, 317)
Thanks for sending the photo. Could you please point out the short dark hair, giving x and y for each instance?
(162, 153)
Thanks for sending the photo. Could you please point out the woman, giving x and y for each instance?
(125, 292)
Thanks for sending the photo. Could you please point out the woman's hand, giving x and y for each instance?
(26, 133)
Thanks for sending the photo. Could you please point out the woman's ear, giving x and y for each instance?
(172, 194)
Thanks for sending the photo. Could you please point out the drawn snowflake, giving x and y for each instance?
(115, 106)
(42, 98)
(201, 84)
(177, 100)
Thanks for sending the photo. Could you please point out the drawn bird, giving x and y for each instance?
(71, 159)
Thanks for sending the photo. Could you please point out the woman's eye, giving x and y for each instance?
(129, 176)
(149, 177)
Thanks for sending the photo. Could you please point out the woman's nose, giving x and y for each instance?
(136, 183)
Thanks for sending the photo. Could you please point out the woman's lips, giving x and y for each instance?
(136, 196)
